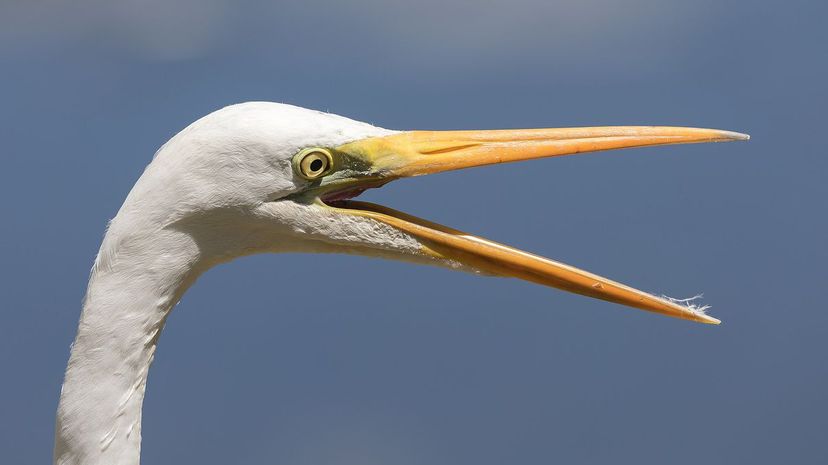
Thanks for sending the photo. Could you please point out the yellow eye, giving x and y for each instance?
(313, 163)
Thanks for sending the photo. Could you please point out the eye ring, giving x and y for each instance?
(313, 163)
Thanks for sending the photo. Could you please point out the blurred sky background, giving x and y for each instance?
(432, 366)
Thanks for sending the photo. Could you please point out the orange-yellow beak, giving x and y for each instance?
(380, 159)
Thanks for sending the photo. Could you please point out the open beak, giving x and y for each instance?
(375, 161)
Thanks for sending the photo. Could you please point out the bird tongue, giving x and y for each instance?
(335, 198)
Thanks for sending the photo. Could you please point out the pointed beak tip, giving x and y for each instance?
(707, 319)
(732, 135)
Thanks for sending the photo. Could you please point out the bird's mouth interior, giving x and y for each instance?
(339, 198)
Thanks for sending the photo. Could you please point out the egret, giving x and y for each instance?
(266, 177)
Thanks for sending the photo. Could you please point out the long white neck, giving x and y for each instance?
(137, 279)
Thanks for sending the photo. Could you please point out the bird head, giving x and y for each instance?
(266, 177)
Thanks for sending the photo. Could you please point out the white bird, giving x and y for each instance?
(266, 177)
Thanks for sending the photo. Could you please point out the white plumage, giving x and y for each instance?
(206, 197)
(227, 186)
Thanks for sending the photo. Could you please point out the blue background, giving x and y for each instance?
(436, 367)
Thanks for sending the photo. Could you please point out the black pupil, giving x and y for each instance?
(316, 165)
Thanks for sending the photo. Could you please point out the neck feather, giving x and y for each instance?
(136, 281)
